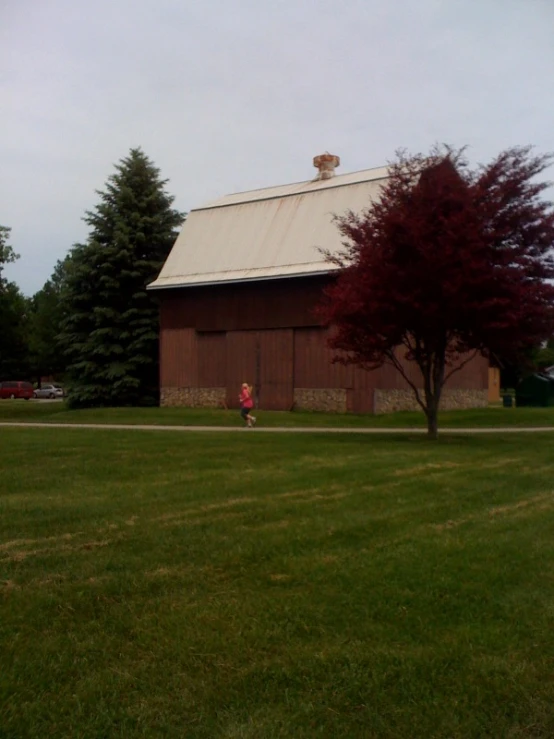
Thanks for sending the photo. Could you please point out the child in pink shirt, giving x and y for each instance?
(246, 404)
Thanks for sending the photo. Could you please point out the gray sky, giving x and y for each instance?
(228, 96)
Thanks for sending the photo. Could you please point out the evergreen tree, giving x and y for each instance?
(110, 330)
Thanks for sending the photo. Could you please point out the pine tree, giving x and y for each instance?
(110, 330)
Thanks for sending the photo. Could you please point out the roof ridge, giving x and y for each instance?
(302, 182)
(292, 188)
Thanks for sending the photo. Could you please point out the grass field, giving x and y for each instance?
(261, 586)
(18, 410)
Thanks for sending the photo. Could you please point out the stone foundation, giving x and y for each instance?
(332, 400)
(390, 401)
(193, 397)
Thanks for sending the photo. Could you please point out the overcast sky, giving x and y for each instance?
(227, 95)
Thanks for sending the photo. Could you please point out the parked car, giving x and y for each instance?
(48, 391)
(16, 389)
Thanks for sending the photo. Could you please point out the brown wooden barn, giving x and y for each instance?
(237, 296)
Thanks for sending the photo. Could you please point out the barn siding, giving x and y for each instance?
(475, 373)
(241, 363)
(360, 399)
(313, 366)
(241, 307)
(276, 369)
(264, 359)
(214, 338)
(178, 358)
(212, 359)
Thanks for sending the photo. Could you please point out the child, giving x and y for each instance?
(246, 405)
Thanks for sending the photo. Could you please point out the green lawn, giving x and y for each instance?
(18, 410)
(261, 586)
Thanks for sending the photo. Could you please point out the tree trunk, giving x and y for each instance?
(433, 377)
(432, 422)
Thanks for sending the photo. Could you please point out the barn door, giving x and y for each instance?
(265, 360)
(241, 362)
(275, 369)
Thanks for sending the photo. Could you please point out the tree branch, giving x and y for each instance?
(460, 366)
(393, 361)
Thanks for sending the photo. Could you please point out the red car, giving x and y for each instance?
(16, 389)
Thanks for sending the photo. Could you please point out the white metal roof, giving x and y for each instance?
(268, 233)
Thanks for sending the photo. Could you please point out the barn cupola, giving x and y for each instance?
(326, 164)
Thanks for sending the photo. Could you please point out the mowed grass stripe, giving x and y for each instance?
(262, 586)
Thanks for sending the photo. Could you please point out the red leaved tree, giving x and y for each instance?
(448, 263)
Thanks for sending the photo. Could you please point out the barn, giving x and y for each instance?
(237, 296)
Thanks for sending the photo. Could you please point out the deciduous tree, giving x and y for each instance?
(448, 263)
(13, 318)
(46, 318)
(7, 254)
